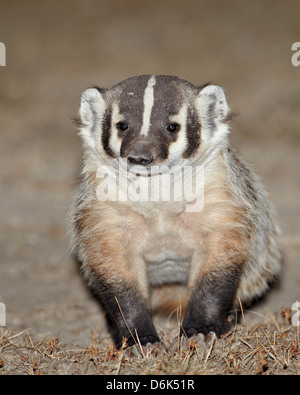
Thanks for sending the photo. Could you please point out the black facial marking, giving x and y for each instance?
(106, 132)
(164, 149)
(193, 133)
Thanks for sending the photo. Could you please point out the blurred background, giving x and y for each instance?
(56, 49)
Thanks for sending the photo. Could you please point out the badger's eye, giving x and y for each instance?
(122, 126)
(173, 127)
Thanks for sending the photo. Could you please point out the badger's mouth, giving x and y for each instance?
(134, 170)
(142, 171)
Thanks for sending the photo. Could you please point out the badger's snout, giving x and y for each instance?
(142, 154)
(137, 158)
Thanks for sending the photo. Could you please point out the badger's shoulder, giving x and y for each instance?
(245, 184)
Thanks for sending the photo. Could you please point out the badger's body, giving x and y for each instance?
(225, 250)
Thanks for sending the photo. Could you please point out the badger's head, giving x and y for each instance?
(153, 120)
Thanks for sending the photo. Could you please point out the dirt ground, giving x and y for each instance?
(54, 50)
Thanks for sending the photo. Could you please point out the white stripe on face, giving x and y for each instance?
(148, 104)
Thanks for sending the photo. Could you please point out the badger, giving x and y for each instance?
(218, 238)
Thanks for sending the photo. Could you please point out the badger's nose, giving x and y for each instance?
(142, 153)
(142, 159)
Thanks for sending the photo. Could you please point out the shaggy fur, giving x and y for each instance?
(225, 253)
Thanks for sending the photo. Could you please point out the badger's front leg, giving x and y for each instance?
(127, 311)
(214, 278)
(211, 299)
(118, 277)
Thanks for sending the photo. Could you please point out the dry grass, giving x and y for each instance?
(270, 347)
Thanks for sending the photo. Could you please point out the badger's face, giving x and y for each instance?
(151, 120)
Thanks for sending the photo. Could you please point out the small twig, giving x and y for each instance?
(18, 334)
(274, 320)
(244, 341)
(139, 343)
(210, 349)
(129, 330)
(271, 355)
(243, 316)
(121, 357)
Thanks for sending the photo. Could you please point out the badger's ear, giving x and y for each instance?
(213, 108)
(91, 111)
